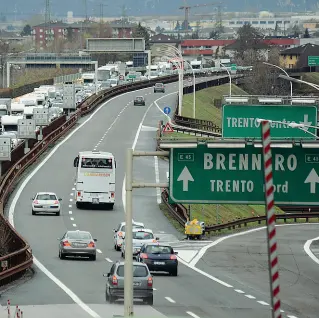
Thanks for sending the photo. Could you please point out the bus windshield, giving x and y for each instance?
(101, 163)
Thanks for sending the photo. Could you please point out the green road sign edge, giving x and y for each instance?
(310, 106)
(171, 194)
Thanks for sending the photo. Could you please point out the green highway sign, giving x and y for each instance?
(240, 121)
(235, 175)
(233, 67)
(313, 60)
(131, 76)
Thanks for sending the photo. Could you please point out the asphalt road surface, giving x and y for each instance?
(242, 262)
(76, 288)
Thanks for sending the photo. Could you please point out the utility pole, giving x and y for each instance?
(219, 20)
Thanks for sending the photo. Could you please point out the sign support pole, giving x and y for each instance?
(129, 186)
(271, 221)
(40, 136)
(26, 146)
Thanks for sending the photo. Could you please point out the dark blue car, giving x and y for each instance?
(159, 258)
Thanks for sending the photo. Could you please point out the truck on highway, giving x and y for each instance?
(95, 178)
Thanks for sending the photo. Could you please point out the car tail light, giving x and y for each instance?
(91, 244)
(143, 255)
(150, 282)
(173, 257)
(114, 280)
(79, 193)
(120, 234)
(112, 195)
(66, 243)
(35, 201)
(56, 202)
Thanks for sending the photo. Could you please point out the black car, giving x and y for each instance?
(159, 87)
(159, 257)
(139, 101)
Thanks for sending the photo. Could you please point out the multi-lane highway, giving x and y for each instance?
(76, 288)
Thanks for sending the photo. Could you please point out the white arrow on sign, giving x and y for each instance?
(312, 178)
(306, 122)
(185, 176)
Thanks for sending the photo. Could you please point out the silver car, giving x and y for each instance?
(142, 283)
(46, 202)
(77, 243)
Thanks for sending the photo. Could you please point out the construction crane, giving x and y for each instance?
(187, 9)
(219, 18)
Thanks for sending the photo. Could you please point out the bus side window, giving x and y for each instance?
(76, 162)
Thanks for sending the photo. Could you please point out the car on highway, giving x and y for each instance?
(159, 87)
(77, 243)
(159, 258)
(139, 101)
(119, 233)
(46, 202)
(140, 237)
(142, 283)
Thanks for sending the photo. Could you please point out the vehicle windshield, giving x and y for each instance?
(134, 227)
(3, 112)
(158, 249)
(79, 235)
(159, 85)
(142, 235)
(96, 163)
(46, 197)
(139, 98)
(138, 271)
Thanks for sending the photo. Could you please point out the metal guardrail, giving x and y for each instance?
(178, 211)
(19, 258)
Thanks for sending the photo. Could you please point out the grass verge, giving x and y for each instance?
(205, 98)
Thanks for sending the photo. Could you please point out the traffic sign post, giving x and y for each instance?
(240, 121)
(232, 173)
(313, 60)
(121, 77)
(41, 118)
(168, 128)
(26, 130)
(233, 68)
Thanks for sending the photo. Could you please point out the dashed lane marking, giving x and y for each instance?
(170, 300)
(70, 212)
(108, 260)
(72, 219)
(71, 200)
(262, 302)
(250, 296)
(239, 291)
(192, 314)
(70, 205)
(74, 224)
(99, 251)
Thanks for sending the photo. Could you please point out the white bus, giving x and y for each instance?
(95, 178)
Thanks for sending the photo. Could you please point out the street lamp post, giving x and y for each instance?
(292, 125)
(291, 79)
(194, 88)
(180, 74)
(273, 65)
(229, 75)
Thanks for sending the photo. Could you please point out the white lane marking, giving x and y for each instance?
(71, 200)
(154, 289)
(170, 300)
(75, 182)
(135, 142)
(73, 189)
(262, 302)
(239, 291)
(203, 250)
(74, 225)
(250, 296)
(70, 205)
(204, 273)
(192, 314)
(99, 251)
(157, 180)
(289, 316)
(70, 212)
(72, 193)
(72, 219)
(108, 260)
(307, 249)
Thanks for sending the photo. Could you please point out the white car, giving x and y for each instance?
(120, 232)
(46, 202)
(140, 237)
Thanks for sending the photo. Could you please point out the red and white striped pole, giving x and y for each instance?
(271, 221)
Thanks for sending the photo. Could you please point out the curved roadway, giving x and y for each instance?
(242, 261)
(76, 288)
